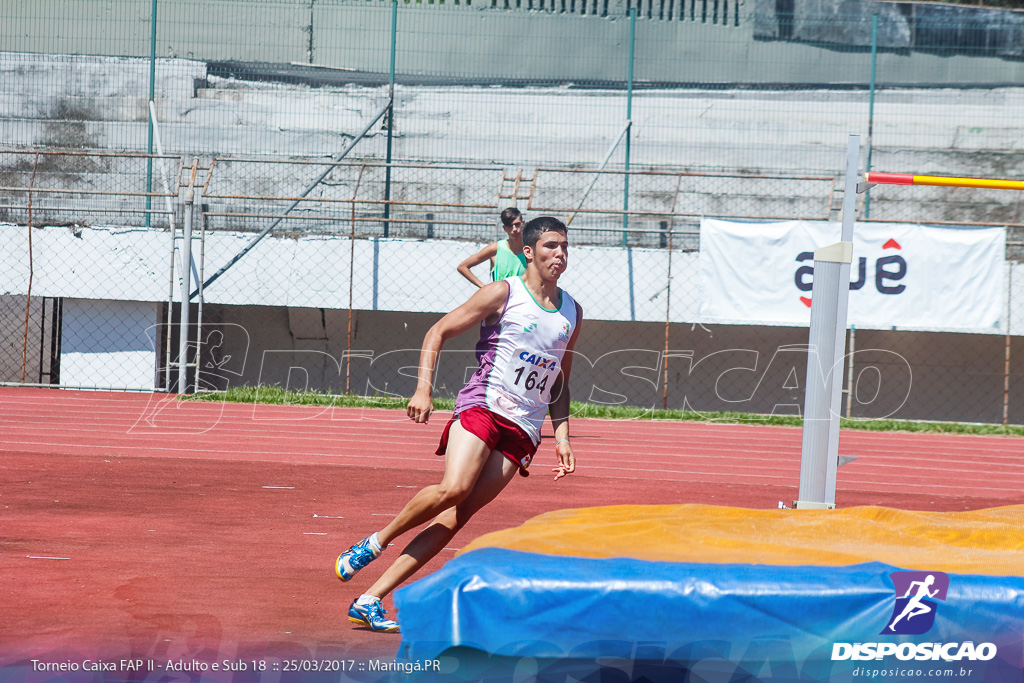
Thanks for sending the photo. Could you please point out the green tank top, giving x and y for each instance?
(507, 264)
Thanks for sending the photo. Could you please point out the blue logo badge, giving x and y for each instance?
(916, 595)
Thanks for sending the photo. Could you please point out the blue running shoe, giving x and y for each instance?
(372, 615)
(354, 559)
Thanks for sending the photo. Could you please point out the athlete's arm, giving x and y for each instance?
(488, 301)
(559, 407)
(487, 253)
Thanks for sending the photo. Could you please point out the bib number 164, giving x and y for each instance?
(530, 383)
(529, 374)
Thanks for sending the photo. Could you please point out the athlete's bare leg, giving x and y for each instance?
(464, 460)
(496, 473)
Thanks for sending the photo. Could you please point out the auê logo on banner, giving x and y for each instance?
(888, 271)
(910, 276)
(916, 603)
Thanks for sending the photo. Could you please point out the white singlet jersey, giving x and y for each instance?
(519, 359)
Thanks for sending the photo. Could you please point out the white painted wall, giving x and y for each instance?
(416, 276)
(108, 344)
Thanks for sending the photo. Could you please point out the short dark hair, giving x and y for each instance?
(509, 215)
(538, 226)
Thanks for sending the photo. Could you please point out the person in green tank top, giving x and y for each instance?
(506, 256)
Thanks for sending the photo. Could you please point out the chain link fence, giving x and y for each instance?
(333, 161)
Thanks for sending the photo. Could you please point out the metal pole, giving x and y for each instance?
(819, 454)
(1006, 367)
(31, 271)
(186, 250)
(170, 316)
(668, 318)
(668, 292)
(154, 131)
(629, 122)
(42, 338)
(593, 181)
(55, 333)
(871, 107)
(351, 279)
(629, 273)
(155, 137)
(152, 92)
(199, 281)
(155, 126)
(391, 117)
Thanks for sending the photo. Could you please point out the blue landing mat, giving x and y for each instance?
(760, 622)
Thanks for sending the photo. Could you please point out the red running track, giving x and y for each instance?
(138, 526)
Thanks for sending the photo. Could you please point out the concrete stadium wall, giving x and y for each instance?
(100, 103)
(546, 46)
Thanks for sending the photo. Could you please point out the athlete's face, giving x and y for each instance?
(516, 229)
(551, 254)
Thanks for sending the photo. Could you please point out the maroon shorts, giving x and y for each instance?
(499, 433)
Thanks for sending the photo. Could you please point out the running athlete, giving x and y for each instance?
(914, 606)
(506, 255)
(528, 329)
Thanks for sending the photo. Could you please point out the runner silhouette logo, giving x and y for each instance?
(916, 595)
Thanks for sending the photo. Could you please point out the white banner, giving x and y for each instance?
(903, 276)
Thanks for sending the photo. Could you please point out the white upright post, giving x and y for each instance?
(186, 252)
(819, 454)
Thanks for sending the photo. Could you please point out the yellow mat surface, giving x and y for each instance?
(976, 542)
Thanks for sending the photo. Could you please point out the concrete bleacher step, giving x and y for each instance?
(20, 105)
(96, 76)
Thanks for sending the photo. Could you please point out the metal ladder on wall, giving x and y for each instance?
(511, 189)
